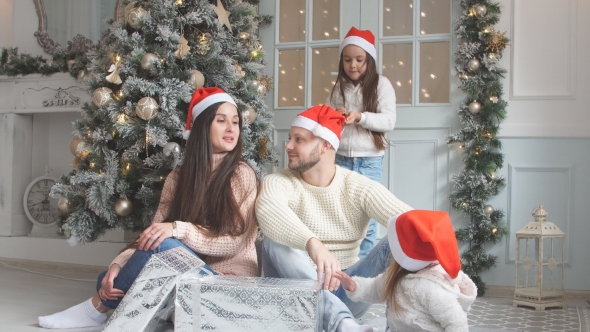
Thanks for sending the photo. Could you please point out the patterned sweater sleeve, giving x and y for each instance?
(368, 290)
(245, 187)
(276, 219)
(384, 120)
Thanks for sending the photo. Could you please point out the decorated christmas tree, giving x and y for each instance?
(141, 76)
(479, 49)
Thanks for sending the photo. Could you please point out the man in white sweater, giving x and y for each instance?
(315, 214)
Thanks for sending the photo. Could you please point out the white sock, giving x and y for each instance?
(350, 325)
(80, 315)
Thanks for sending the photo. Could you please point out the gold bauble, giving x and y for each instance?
(249, 114)
(78, 147)
(197, 79)
(488, 209)
(70, 64)
(49, 62)
(474, 107)
(102, 97)
(147, 62)
(81, 74)
(473, 65)
(480, 10)
(134, 17)
(239, 70)
(147, 108)
(65, 205)
(123, 207)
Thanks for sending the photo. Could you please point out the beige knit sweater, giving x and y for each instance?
(225, 254)
(290, 211)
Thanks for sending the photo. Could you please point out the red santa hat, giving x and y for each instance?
(323, 121)
(203, 98)
(361, 38)
(419, 238)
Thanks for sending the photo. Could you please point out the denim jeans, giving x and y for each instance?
(371, 167)
(135, 264)
(280, 261)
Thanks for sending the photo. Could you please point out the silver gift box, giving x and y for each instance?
(228, 303)
(150, 300)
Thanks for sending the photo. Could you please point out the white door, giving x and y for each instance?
(414, 44)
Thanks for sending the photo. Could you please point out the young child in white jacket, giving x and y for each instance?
(424, 287)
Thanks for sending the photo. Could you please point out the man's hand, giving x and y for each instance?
(346, 281)
(326, 263)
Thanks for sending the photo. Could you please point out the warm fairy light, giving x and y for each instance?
(91, 165)
(127, 166)
(162, 178)
(178, 2)
(117, 58)
(463, 204)
(492, 175)
(494, 230)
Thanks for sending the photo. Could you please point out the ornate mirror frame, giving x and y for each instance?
(78, 43)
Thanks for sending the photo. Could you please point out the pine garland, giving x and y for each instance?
(476, 63)
(122, 158)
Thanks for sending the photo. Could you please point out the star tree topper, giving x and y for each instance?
(222, 15)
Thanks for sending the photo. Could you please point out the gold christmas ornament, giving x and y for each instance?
(480, 10)
(135, 16)
(49, 62)
(197, 79)
(123, 207)
(249, 114)
(239, 70)
(148, 60)
(183, 49)
(81, 74)
(71, 64)
(488, 209)
(147, 108)
(497, 42)
(78, 147)
(102, 97)
(127, 10)
(243, 35)
(473, 65)
(65, 205)
(474, 107)
(114, 77)
(222, 15)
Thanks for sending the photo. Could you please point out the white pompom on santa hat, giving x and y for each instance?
(419, 238)
(361, 38)
(203, 98)
(323, 121)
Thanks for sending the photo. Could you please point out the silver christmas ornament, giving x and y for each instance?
(171, 148)
(147, 108)
(102, 97)
(474, 107)
(473, 65)
(123, 207)
(197, 79)
(148, 60)
(488, 209)
(480, 10)
(249, 114)
(65, 205)
(134, 17)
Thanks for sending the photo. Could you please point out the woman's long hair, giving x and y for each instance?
(395, 273)
(203, 196)
(369, 82)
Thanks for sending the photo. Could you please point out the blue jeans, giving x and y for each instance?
(280, 261)
(135, 264)
(371, 167)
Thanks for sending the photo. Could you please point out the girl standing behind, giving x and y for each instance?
(424, 287)
(367, 100)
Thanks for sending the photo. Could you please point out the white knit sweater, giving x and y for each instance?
(290, 211)
(356, 140)
(431, 301)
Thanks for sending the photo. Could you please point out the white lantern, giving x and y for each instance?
(539, 264)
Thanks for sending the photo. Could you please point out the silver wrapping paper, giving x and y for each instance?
(227, 303)
(150, 300)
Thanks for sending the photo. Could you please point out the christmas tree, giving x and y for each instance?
(476, 59)
(141, 76)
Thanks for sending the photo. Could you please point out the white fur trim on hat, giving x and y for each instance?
(397, 252)
(317, 129)
(360, 42)
(210, 100)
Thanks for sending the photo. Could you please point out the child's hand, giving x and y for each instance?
(345, 281)
(352, 117)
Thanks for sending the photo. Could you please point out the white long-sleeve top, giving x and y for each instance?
(356, 140)
(431, 301)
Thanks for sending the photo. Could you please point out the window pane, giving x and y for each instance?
(435, 16)
(397, 17)
(397, 67)
(326, 19)
(324, 61)
(292, 21)
(291, 78)
(434, 72)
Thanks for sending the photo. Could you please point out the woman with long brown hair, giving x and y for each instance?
(207, 207)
